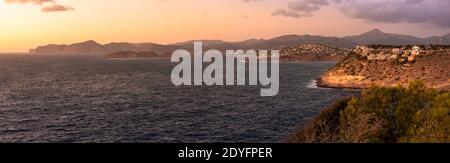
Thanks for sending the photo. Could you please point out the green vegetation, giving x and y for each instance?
(410, 114)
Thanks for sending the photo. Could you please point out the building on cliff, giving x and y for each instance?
(415, 50)
(391, 53)
(362, 50)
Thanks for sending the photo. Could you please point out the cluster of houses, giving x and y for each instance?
(390, 53)
(314, 49)
(400, 54)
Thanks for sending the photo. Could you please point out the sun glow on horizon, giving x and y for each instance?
(24, 26)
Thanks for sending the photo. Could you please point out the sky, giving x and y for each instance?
(25, 24)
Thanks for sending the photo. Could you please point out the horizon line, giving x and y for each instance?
(226, 41)
(241, 40)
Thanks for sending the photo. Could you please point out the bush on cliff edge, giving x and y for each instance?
(383, 115)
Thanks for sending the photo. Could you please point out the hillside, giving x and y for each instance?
(358, 71)
(313, 52)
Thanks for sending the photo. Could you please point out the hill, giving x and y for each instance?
(372, 37)
(313, 52)
(376, 36)
(389, 68)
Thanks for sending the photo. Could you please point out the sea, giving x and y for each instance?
(90, 99)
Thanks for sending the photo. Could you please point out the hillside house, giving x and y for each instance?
(362, 50)
(397, 51)
(415, 51)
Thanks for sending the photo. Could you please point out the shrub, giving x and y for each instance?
(358, 125)
(385, 115)
(322, 129)
(432, 125)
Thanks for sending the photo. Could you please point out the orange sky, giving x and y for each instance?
(24, 26)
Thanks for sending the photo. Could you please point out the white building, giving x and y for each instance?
(397, 51)
(415, 50)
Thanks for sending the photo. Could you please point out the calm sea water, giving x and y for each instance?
(91, 99)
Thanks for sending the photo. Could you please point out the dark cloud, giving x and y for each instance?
(434, 12)
(317, 2)
(52, 7)
(301, 8)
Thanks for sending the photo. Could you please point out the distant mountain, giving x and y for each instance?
(205, 42)
(443, 40)
(372, 37)
(376, 36)
(274, 43)
(94, 48)
(295, 40)
(88, 47)
(251, 42)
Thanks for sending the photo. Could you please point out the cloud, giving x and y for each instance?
(38, 2)
(52, 7)
(56, 8)
(433, 12)
(283, 12)
(301, 8)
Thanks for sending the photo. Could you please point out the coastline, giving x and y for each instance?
(321, 84)
(363, 86)
(154, 58)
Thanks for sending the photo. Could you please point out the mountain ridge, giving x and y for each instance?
(374, 36)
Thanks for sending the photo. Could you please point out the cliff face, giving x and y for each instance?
(432, 69)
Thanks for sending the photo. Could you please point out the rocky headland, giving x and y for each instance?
(390, 66)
